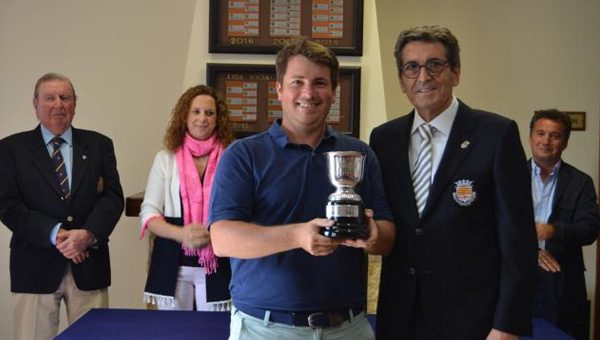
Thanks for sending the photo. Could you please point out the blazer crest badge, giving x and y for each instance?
(463, 193)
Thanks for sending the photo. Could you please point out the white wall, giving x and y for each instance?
(127, 62)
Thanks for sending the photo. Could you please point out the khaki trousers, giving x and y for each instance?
(36, 316)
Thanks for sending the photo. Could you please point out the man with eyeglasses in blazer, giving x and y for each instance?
(464, 261)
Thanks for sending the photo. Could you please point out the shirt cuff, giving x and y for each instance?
(145, 225)
(54, 233)
(94, 245)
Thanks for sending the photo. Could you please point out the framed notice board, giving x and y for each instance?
(251, 97)
(263, 26)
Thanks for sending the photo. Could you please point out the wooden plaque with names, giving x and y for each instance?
(251, 96)
(263, 26)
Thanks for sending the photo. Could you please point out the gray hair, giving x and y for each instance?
(52, 77)
(429, 34)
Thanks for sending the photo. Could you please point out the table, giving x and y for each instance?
(133, 204)
(133, 324)
(130, 324)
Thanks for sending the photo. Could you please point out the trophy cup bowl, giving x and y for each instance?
(344, 206)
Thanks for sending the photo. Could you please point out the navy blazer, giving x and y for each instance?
(31, 205)
(472, 255)
(575, 218)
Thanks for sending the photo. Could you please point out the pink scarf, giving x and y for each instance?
(195, 196)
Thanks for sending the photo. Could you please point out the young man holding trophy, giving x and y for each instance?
(269, 204)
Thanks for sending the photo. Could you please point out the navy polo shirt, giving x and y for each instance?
(266, 180)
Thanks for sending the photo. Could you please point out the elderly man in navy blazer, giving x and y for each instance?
(464, 261)
(61, 198)
(566, 216)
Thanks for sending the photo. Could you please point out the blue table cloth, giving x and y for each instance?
(133, 324)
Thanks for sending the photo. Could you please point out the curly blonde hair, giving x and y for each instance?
(177, 127)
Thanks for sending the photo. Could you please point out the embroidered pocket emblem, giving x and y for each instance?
(463, 193)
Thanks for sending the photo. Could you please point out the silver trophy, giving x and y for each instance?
(345, 206)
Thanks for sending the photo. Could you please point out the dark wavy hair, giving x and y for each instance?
(555, 115)
(177, 127)
(429, 34)
(312, 51)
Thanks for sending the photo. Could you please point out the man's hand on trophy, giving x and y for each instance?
(309, 238)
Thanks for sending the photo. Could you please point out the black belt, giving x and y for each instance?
(310, 319)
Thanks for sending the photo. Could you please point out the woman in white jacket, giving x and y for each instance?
(184, 271)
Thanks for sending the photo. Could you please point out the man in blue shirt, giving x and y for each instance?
(268, 205)
(566, 216)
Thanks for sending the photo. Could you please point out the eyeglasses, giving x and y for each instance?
(433, 67)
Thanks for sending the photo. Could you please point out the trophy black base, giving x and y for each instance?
(340, 231)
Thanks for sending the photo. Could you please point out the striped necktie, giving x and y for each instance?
(60, 167)
(422, 173)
